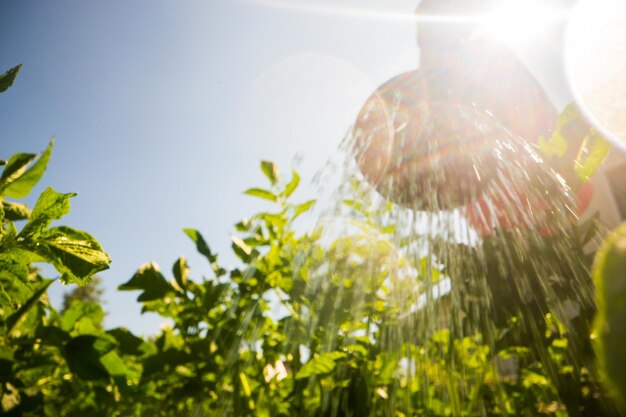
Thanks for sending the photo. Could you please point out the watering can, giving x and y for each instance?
(429, 138)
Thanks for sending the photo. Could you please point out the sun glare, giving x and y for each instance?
(516, 21)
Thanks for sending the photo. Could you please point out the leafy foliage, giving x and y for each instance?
(303, 325)
(39, 348)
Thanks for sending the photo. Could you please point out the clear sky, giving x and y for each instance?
(162, 111)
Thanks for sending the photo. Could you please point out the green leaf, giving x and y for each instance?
(201, 245)
(293, 184)
(261, 193)
(21, 186)
(149, 279)
(80, 311)
(181, 272)
(15, 211)
(7, 79)
(74, 253)
(592, 154)
(15, 167)
(271, 171)
(302, 208)
(242, 250)
(128, 343)
(83, 356)
(16, 317)
(555, 146)
(320, 365)
(610, 322)
(113, 364)
(569, 114)
(50, 206)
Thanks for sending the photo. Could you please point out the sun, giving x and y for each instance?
(521, 21)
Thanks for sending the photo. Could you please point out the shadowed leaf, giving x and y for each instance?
(150, 280)
(7, 79)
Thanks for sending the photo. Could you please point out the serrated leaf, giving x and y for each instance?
(8, 78)
(261, 193)
(293, 184)
(320, 365)
(75, 253)
(271, 171)
(149, 279)
(21, 186)
(50, 206)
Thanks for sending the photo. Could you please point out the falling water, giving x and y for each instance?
(448, 275)
(458, 263)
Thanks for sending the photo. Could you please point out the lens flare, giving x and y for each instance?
(596, 62)
(516, 21)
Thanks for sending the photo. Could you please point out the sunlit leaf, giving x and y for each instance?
(50, 206)
(293, 184)
(21, 186)
(242, 250)
(554, 146)
(271, 171)
(76, 254)
(592, 154)
(320, 365)
(303, 208)
(261, 193)
(113, 364)
(181, 272)
(15, 167)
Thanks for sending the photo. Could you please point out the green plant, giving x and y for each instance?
(609, 329)
(43, 354)
(314, 323)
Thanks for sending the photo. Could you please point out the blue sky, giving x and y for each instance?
(162, 111)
